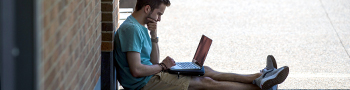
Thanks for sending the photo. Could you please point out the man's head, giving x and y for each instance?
(153, 9)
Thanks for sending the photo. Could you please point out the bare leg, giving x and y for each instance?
(219, 76)
(207, 83)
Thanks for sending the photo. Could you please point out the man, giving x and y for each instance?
(137, 55)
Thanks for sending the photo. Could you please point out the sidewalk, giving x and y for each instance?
(312, 37)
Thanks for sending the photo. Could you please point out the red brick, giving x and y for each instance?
(107, 27)
(107, 16)
(49, 79)
(46, 67)
(63, 58)
(46, 4)
(54, 12)
(99, 29)
(107, 7)
(107, 46)
(74, 83)
(54, 84)
(107, 36)
(98, 8)
(96, 76)
(98, 21)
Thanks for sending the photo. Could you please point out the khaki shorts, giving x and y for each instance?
(166, 81)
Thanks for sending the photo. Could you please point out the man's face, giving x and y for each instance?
(157, 13)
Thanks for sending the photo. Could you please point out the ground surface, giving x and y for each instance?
(312, 37)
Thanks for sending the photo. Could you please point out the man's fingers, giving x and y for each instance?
(170, 61)
(173, 62)
(152, 20)
(151, 25)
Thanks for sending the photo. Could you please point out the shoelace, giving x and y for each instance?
(265, 71)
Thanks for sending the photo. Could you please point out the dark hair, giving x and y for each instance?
(153, 3)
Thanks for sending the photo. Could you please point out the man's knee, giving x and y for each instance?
(201, 83)
(208, 83)
(208, 71)
(202, 80)
(208, 80)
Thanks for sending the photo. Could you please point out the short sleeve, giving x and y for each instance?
(130, 39)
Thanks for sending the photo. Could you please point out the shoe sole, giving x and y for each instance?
(278, 80)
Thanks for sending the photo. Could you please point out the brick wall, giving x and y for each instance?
(110, 24)
(71, 44)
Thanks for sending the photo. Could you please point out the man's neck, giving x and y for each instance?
(138, 16)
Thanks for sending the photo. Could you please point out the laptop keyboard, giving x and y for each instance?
(187, 65)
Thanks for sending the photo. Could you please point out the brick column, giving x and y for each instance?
(70, 44)
(110, 24)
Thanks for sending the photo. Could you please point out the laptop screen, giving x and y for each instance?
(202, 50)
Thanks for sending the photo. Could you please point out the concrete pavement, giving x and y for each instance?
(312, 37)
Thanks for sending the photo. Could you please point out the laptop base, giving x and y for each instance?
(188, 72)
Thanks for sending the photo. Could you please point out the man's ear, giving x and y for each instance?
(147, 9)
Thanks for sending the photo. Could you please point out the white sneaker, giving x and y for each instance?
(272, 77)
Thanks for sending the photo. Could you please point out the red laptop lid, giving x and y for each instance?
(202, 50)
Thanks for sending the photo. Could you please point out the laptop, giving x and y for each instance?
(194, 68)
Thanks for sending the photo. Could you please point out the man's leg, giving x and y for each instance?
(207, 83)
(232, 77)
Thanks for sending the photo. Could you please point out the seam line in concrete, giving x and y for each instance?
(341, 42)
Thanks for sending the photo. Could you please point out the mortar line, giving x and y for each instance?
(341, 42)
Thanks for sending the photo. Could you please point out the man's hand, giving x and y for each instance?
(169, 62)
(152, 26)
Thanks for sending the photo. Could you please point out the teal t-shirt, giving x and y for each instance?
(131, 36)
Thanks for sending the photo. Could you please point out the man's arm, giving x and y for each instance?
(152, 27)
(155, 53)
(140, 70)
